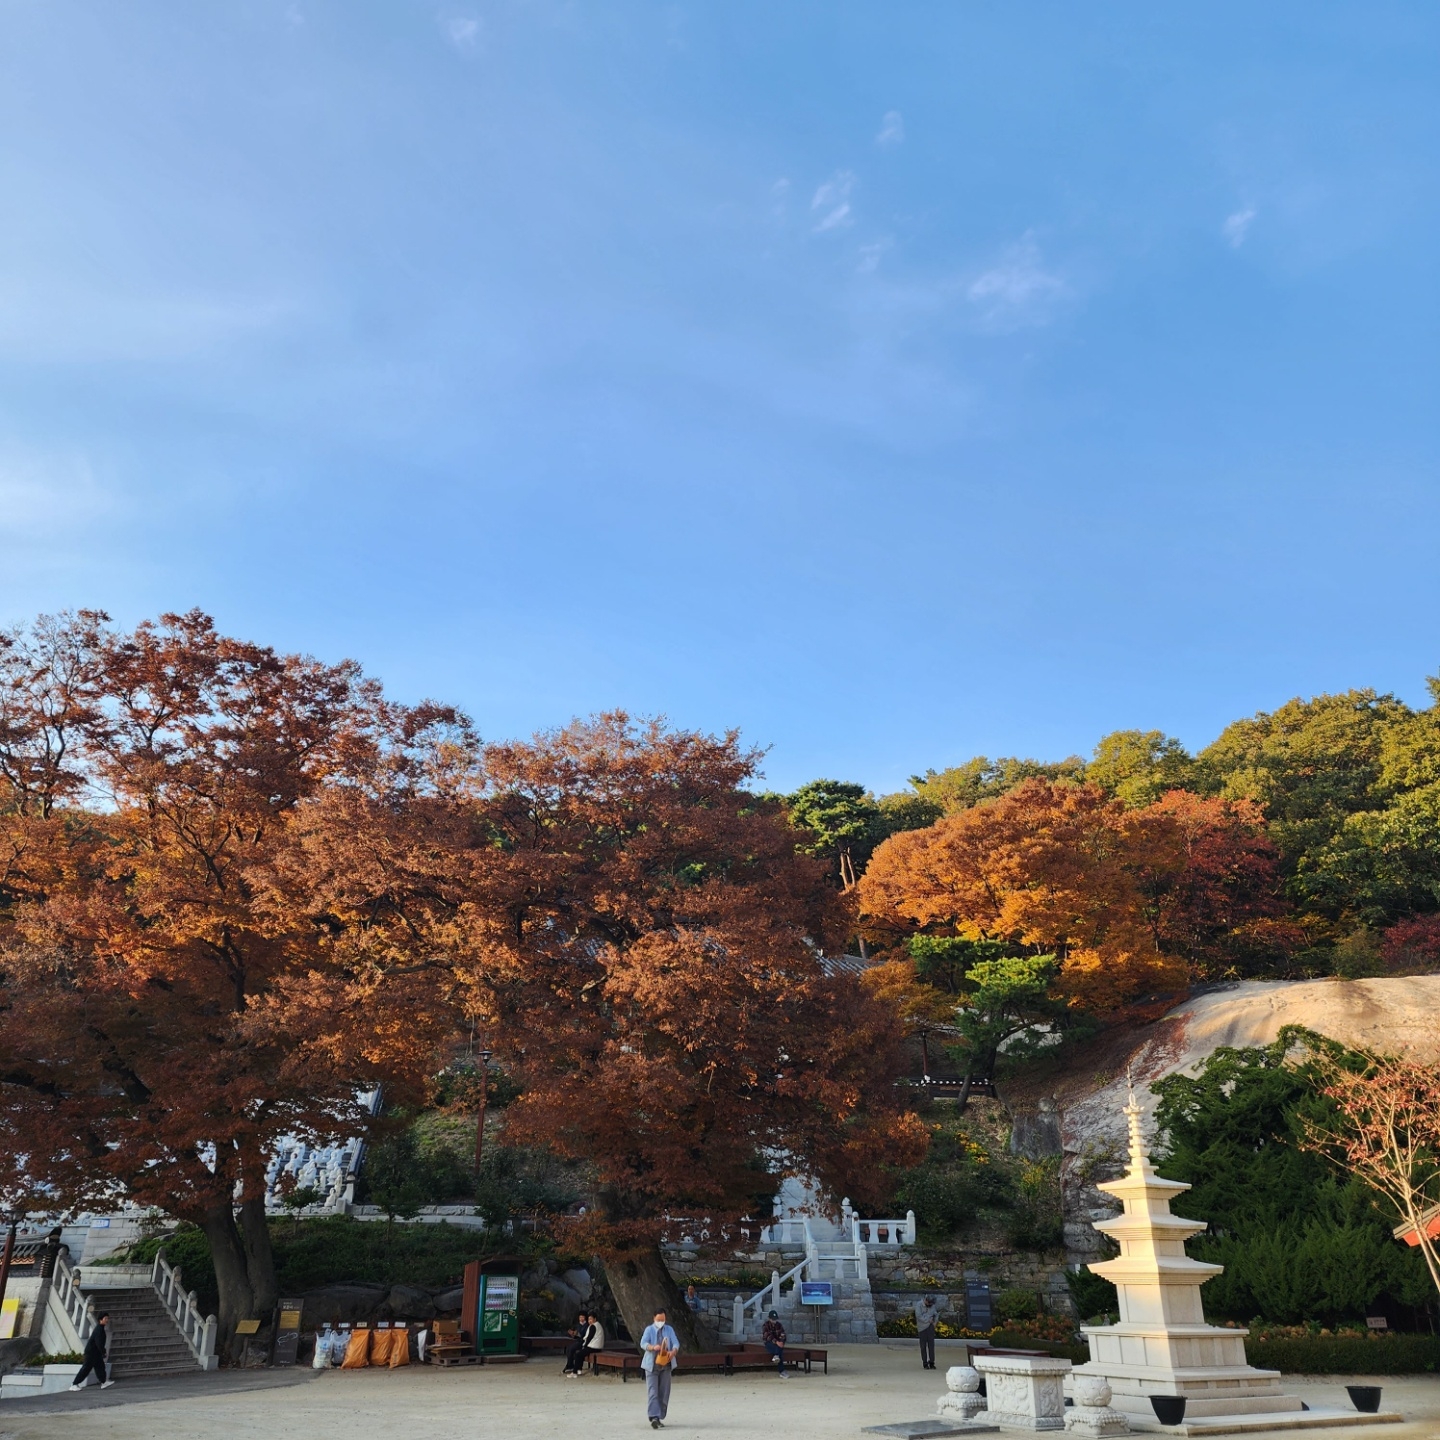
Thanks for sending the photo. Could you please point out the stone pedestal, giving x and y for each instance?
(1024, 1392)
(1090, 1417)
(963, 1400)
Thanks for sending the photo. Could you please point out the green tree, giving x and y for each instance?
(1139, 766)
(1313, 764)
(962, 786)
(1008, 1003)
(843, 821)
(1297, 1239)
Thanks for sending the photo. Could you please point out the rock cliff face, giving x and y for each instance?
(1395, 1014)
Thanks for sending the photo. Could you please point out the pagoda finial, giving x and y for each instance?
(1139, 1159)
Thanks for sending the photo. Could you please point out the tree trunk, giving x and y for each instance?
(642, 1284)
(964, 1095)
(232, 1274)
(259, 1258)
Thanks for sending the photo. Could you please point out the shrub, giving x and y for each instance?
(1092, 1295)
(1347, 1354)
(1076, 1351)
(338, 1250)
(1017, 1305)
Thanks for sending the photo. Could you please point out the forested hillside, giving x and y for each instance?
(1302, 842)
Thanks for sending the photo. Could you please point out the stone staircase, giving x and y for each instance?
(144, 1339)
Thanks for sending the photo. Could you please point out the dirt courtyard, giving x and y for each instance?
(867, 1385)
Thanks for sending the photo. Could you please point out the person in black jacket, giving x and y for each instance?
(94, 1357)
(575, 1356)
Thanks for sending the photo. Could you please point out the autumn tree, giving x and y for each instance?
(666, 1005)
(1388, 1136)
(162, 1019)
(1118, 896)
(924, 1011)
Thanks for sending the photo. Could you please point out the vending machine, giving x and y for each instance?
(491, 1307)
(499, 1328)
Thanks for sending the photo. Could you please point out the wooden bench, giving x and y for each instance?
(728, 1361)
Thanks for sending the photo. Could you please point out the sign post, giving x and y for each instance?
(287, 1332)
(817, 1294)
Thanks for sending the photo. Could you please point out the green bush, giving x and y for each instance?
(339, 1250)
(188, 1249)
(1092, 1294)
(1347, 1354)
(1017, 1305)
(1076, 1351)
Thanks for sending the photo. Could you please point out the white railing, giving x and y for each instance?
(199, 1331)
(758, 1302)
(66, 1289)
(883, 1232)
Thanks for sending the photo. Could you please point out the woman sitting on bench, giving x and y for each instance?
(575, 1355)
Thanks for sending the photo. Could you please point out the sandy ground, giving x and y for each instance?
(867, 1385)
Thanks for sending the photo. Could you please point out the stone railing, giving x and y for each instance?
(883, 1232)
(67, 1293)
(199, 1331)
(766, 1299)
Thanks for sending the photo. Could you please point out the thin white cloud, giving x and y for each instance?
(871, 255)
(892, 129)
(831, 204)
(1237, 227)
(462, 32)
(1019, 291)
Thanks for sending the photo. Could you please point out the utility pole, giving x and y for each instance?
(5, 1259)
(484, 1097)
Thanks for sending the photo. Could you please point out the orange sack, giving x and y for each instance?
(357, 1352)
(399, 1347)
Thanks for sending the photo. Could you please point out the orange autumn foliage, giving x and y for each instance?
(1128, 899)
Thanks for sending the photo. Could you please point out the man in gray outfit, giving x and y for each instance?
(927, 1312)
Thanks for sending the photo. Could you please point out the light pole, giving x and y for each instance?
(484, 1097)
(5, 1259)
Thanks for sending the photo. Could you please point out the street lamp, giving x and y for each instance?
(484, 1096)
(6, 1256)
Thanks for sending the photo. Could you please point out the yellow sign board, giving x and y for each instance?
(9, 1317)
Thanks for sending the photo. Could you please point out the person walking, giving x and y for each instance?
(93, 1360)
(660, 1346)
(772, 1334)
(927, 1312)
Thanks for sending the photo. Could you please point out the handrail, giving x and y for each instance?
(66, 1288)
(884, 1232)
(199, 1332)
(772, 1289)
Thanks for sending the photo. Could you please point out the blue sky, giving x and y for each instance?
(894, 382)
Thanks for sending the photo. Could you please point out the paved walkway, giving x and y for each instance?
(867, 1385)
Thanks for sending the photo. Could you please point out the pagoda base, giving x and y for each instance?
(1254, 1424)
(1205, 1364)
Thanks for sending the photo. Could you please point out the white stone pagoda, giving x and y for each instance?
(1162, 1345)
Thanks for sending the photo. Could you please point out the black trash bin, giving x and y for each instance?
(1169, 1409)
(1365, 1398)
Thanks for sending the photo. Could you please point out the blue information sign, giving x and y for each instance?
(816, 1292)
